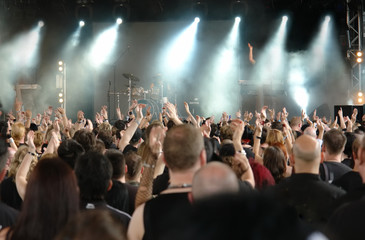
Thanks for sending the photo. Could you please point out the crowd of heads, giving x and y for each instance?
(72, 163)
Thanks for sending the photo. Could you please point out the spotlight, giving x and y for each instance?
(121, 10)
(285, 18)
(119, 21)
(237, 19)
(60, 95)
(60, 100)
(81, 23)
(40, 24)
(359, 54)
(199, 8)
(196, 20)
(360, 94)
(327, 18)
(60, 63)
(60, 69)
(239, 8)
(359, 60)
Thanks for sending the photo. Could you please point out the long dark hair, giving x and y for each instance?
(51, 199)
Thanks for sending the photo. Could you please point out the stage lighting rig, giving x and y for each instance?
(199, 9)
(84, 10)
(239, 8)
(121, 10)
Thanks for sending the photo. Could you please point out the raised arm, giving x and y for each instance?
(192, 119)
(131, 129)
(21, 175)
(172, 113)
(250, 54)
(151, 154)
(256, 142)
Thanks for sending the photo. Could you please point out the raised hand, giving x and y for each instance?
(30, 140)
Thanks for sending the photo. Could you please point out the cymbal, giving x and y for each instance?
(131, 77)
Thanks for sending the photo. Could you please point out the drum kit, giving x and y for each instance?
(151, 97)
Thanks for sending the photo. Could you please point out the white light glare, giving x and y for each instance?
(237, 19)
(328, 18)
(60, 94)
(103, 46)
(40, 24)
(196, 20)
(60, 63)
(119, 21)
(60, 100)
(285, 18)
(81, 23)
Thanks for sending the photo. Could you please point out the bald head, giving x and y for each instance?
(214, 178)
(311, 131)
(306, 150)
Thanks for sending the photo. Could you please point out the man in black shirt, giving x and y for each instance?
(333, 145)
(184, 154)
(94, 176)
(305, 191)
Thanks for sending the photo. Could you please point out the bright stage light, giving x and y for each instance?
(359, 60)
(60, 100)
(237, 19)
(119, 21)
(285, 18)
(60, 95)
(327, 19)
(81, 23)
(196, 20)
(60, 63)
(182, 46)
(360, 94)
(103, 46)
(359, 54)
(60, 69)
(40, 24)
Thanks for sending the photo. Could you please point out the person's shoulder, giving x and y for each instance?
(8, 215)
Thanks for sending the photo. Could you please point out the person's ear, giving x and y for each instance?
(203, 157)
(190, 197)
(164, 159)
(125, 168)
(110, 185)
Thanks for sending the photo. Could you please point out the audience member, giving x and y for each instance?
(311, 197)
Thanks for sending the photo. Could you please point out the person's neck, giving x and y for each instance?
(332, 157)
(121, 179)
(306, 170)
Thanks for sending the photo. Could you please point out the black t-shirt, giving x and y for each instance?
(312, 198)
(347, 222)
(162, 213)
(118, 196)
(8, 216)
(10, 195)
(349, 181)
(331, 171)
(118, 215)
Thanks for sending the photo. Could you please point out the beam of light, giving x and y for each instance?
(319, 47)
(297, 78)
(18, 58)
(82, 23)
(270, 65)
(223, 80)
(103, 46)
(182, 46)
